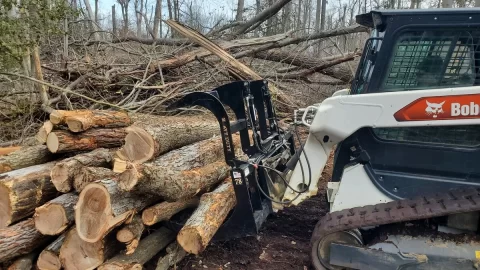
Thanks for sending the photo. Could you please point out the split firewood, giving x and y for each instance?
(20, 239)
(49, 258)
(96, 119)
(165, 210)
(102, 206)
(28, 156)
(131, 233)
(148, 247)
(25, 262)
(76, 254)
(7, 150)
(192, 168)
(175, 253)
(64, 141)
(207, 218)
(43, 132)
(150, 136)
(21, 191)
(57, 215)
(63, 172)
(88, 175)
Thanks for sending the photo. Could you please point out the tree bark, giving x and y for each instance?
(181, 173)
(114, 22)
(88, 175)
(23, 263)
(102, 207)
(64, 142)
(165, 210)
(148, 247)
(157, 19)
(240, 7)
(209, 216)
(23, 190)
(324, 12)
(26, 157)
(20, 239)
(97, 119)
(43, 132)
(175, 253)
(76, 254)
(150, 136)
(49, 258)
(54, 217)
(7, 150)
(63, 172)
(131, 233)
(318, 13)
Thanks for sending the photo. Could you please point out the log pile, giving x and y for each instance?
(67, 207)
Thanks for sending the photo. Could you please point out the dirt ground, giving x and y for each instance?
(283, 242)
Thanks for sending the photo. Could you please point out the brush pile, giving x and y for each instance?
(97, 188)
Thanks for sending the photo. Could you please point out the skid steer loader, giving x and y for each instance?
(405, 189)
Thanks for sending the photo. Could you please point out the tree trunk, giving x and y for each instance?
(96, 11)
(7, 150)
(114, 23)
(63, 173)
(97, 119)
(49, 258)
(20, 239)
(165, 210)
(150, 136)
(26, 157)
(76, 254)
(64, 141)
(91, 16)
(131, 233)
(157, 19)
(324, 11)
(181, 173)
(209, 216)
(23, 190)
(88, 175)
(299, 17)
(148, 247)
(175, 253)
(240, 7)
(43, 132)
(102, 207)
(54, 217)
(23, 263)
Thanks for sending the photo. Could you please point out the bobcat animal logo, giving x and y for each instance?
(434, 108)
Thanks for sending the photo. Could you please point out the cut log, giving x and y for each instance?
(28, 156)
(58, 117)
(63, 141)
(76, 254)
(25, 262)
(192, 168)
(7, 150)
(150, 136)
(209, 216)
(148, 247)
(64, 171)
(21, 191)
(131, 233)
(49, 258)
(88, 175)
(20, 239)
(102, 207)
(165, 210)
(175, 253)
(96, 119)
(54, 217)
(43, 132)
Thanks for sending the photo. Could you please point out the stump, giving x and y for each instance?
(64, 141)
(165, 210)
(57, 215)
(95, 119)
(28, 156)
(49, 258)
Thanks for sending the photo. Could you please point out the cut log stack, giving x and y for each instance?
(83, 198)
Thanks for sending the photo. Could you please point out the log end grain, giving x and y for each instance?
(51, 220)
(5, 207)
(139, 145)
(77, 254)
(61, 178)
(53, 142)
(48, 260)
(128, 179)
(190, 240)
(43, 132)
(56, 117)
(76, 125)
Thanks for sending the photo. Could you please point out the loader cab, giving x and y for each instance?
(413, 50)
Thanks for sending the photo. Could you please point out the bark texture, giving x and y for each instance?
(148, 247)
(21, 191)
(150, 136)
(96, 119)
(64, 142)
(43, 132)
(57, 215)
(7, 150)
(165, 210)
(175, 253)
(209, 216)
(63, 172)
(23, 263)
(28, 156)
(102, 206)
(88, 175)
(20, 239)
(49, 258)
(131, 233)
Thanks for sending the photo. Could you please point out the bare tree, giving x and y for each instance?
(447, 3)
(299, 17)
(240, 8)
(324, 11)
(157, 21)
(91, 16)
(96, 11)
(139, 15)
(286, 17)
(114, 21)
(124, 8)
(318, 13)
